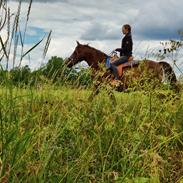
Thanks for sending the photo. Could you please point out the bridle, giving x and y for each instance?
(113, 53)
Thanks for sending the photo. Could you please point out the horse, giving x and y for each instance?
(159, 71)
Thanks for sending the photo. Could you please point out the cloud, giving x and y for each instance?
(159, 20)
(42, 1)
(98, 20)
(150, 20)
(101, 31)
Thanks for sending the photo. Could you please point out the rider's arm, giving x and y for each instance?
(118, 49)
(127, 45)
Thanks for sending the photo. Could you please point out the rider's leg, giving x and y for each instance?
(114, 65)
(115, 71)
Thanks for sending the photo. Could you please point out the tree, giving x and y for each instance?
(20, 76)
(53, 68)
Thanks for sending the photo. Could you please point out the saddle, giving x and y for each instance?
(131, 62)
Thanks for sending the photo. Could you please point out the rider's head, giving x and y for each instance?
(126, 29)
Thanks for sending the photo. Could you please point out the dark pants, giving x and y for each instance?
(114, 65)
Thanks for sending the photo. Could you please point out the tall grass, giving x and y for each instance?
(57, 135)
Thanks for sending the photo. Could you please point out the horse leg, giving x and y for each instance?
(169, 75)
(112, 97)
(95, 92)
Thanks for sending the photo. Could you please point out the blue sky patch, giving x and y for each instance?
(34, 34)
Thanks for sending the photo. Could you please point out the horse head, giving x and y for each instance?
(77, 56)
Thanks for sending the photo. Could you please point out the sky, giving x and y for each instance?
(99, 24)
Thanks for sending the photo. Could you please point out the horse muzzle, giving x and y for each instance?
(68, 62)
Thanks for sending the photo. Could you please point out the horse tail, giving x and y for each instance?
(168, 72)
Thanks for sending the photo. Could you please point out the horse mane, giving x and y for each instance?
(94, 49)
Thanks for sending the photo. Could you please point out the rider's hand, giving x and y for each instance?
(117, 49)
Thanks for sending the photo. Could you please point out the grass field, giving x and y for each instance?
(54, 134)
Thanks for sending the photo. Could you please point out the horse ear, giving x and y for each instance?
(77, 42)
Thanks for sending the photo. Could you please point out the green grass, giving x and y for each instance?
(54, 134)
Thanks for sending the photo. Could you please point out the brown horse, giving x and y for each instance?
(159, 71)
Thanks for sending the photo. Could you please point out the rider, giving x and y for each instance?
(125, 50)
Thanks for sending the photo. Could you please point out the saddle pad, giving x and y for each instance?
(127, 64)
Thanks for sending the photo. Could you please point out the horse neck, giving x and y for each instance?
(94, 57)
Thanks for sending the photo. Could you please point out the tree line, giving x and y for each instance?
(54, 72)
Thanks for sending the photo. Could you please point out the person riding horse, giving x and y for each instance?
(151, 70)
(125, 50)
